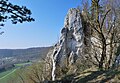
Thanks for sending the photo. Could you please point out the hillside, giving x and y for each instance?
(92, 75)
(9, 57)
(34, 74)
(30, 52)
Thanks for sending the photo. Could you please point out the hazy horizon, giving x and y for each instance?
(26, 47)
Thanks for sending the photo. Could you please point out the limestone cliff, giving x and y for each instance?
(78, 43)
(71, 44)
(81, 42)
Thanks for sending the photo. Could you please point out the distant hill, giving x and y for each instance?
(25, 53)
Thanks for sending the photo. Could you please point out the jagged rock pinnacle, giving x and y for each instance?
(71, 43)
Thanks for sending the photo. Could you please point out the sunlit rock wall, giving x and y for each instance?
(71, 44)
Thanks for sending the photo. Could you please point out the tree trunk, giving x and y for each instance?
(102, 60)
(111, 51)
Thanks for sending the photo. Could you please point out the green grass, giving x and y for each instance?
(2, 74)
(22, 64)
(7, 75)
(10, 75)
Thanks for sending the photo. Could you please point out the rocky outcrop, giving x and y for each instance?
(67, 49)
(72, 43)
(80, 42)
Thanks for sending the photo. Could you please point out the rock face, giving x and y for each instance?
(71, 41)
(78, 41)
(71, 44)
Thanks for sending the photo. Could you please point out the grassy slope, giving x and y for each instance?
(2, 74)
(6, 76)
(93, 76)
(96, 76)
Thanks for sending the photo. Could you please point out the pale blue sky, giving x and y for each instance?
(45, 31)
